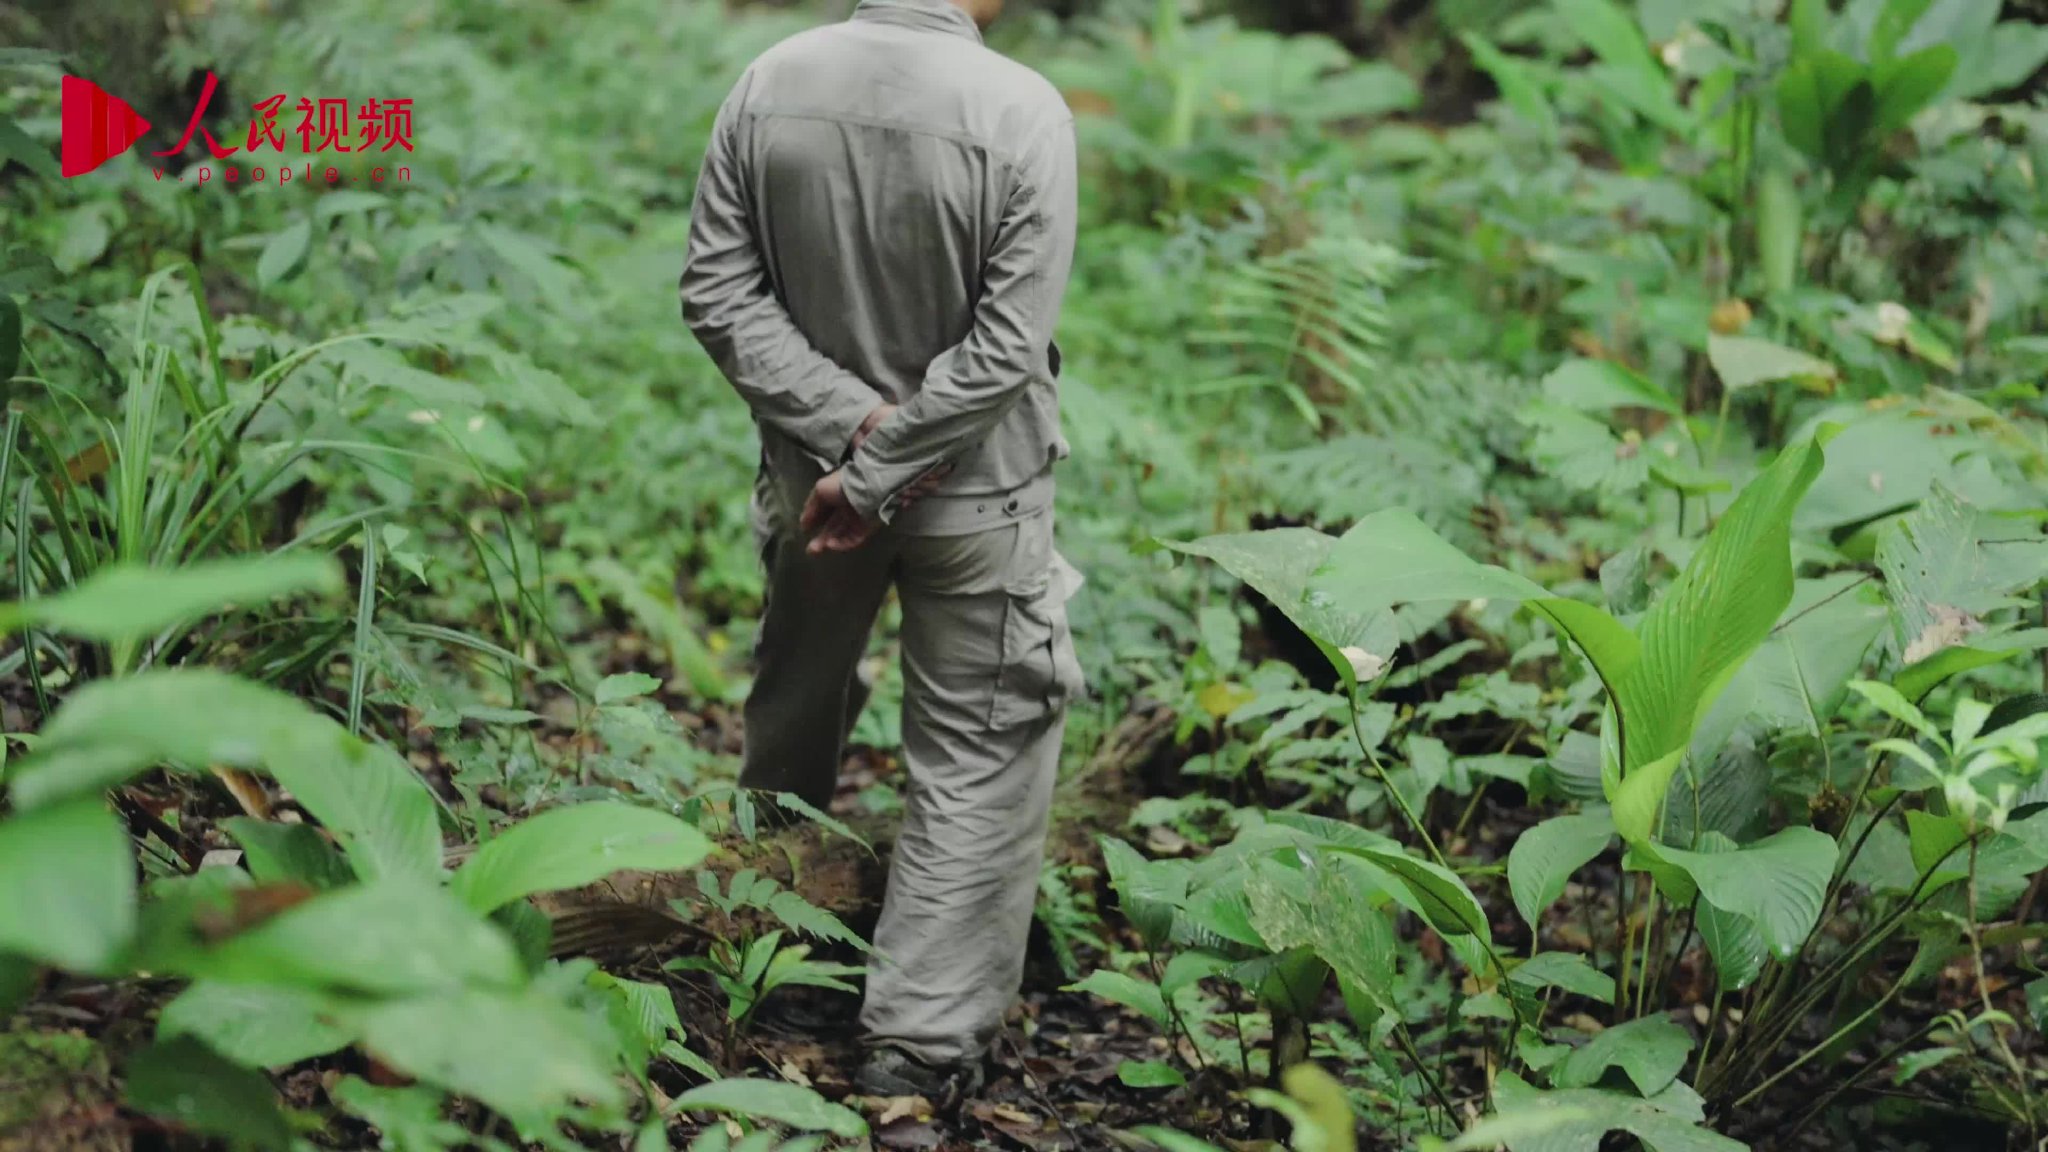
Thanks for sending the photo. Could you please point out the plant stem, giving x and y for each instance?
(1712, 1029)
(1436, 1089)
(1896, 986)
(1393, 793)
(1625, 943)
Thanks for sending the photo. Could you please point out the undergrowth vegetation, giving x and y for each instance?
(1562, 497)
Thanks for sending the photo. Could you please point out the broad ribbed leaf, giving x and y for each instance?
(367, 796)
(1544, 858)
(1670, 1122)
(1391, 558)
(131, 603)
(1567, 970)
(1745, 361)
(1336, 920)
(1942, 581)
(390, 937)
(1650, 1051)
(787, 1104)
(570, 847)
(1139, 996)
(192, 718)
(1778, 882)
(1435, 893)
(188, 1084)
(275, 853)
(524, 1055)
(1721, 607)
(256, 1025)
(1147, 891)
(67, 885)
(1278, 564)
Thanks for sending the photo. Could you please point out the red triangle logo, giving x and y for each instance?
(97, 126)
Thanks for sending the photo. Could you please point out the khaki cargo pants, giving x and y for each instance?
(988, 670)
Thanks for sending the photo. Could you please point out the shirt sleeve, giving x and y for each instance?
(968, 389)
(732, 309)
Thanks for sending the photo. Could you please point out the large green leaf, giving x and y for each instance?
(1670, 1122)
(1278, 564)
(521, 1053)
(1391, 557)
(68, 897)
(1908, 85)
(275, 853)
(193, 718)
(1434, 892)
(256, 1025)
(1627, 66)
(1334, 919)
(1797, 678)
(1140, 996)
(786, 1104)
(1147, 891)
(1701, 630)
(183, 1081)
(1941, 579)
(1543, 859)
(130, 602)
(23, 149)
(366, 795)
(1745, 361)
(574, 846)
(389, 937)
(1603, 385)
(1778, 882)
(1567, 970)
(1650, 1052)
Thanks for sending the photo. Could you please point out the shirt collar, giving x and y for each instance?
(930, 15)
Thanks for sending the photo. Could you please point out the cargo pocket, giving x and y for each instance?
(1039, 672)
(1028, 681)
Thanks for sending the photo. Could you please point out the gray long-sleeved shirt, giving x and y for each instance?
(886, 213)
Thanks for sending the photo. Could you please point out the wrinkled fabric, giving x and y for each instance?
(886, 212)
(989, 670)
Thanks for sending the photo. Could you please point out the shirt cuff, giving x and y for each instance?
(828, 432)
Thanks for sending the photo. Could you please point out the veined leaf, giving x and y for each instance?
(573, 846)
(1701, 630)
(390, 937)
(130, 603)
(1778, 882)
(521, 1053)
(1745, 361)
(1543, 859)
(788, 1104)
(364, 794)
(1651, 1051)
(69, 894)
(284, 252)
(1278, 564)
(1140, 996)
(1602, 385)
(256, 1025)
(185, 1082)
(1567, 970)
(1435, 892)
(1669, 1122)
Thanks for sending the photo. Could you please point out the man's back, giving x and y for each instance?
(879, 162)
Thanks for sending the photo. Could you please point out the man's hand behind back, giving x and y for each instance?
(830, 522)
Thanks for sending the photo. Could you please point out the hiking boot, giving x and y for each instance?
(894, 1072)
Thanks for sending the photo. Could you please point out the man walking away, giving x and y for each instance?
(880, 242)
